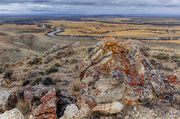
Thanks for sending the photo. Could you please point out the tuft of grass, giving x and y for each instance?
(76, 86)
(23, 106)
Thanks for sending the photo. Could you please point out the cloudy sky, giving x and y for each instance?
(87, 7)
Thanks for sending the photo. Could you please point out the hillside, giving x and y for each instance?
(111, 79)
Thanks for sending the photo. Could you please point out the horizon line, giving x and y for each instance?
(74, 15)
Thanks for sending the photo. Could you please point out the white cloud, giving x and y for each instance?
(91, 6)
(22, 8)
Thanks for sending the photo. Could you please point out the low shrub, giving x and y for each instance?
(36, 81)
(20, 93)
(8, 74)
(2, 70)
(34, 60)
(47, 81)
(76, 86)
(57, 64)
(52, 69)
(90, 49)
(153, 62)
(175, 57)
(26, 82)
(162, 56)
(167, 68)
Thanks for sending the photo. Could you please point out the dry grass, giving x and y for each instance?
(13, 29)
(14, 26)
(76, 87)
(96, 28)
(164, 41)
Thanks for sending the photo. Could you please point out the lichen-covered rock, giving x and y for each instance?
(110, 108)
(12, 114)
(33, 94)
(126, 63)
(47, 108)
(8, 100)
(156, 112)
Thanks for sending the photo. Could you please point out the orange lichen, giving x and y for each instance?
(172, 78)
(119, 52)
(126, 64)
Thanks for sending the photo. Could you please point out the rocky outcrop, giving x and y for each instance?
(47, 108)
(118, 71)
(12, 114)
(114, 77)
(8, 100)
(122, 65)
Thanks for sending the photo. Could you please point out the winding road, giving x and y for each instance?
(53, 33)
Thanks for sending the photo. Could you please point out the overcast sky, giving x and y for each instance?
(90, 6)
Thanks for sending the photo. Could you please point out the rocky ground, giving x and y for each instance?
(114, 79)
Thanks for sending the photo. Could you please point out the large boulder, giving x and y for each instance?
(8, 100)
(122, 65)
(12, 114)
